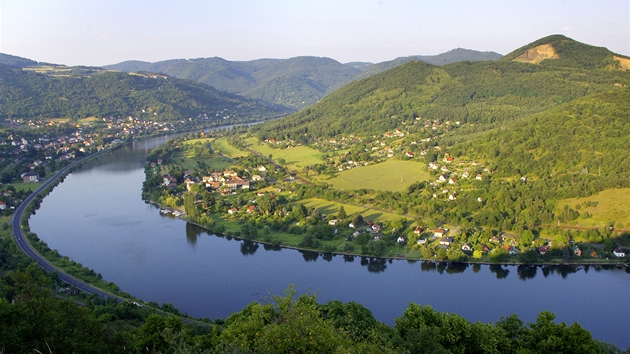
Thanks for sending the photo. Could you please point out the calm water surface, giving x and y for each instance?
(96, 217)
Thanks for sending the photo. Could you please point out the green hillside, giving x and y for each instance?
(82, 92)
(534, 132)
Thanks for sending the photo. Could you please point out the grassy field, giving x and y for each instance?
(226, 149)
(190, 161)
(391, 175)
(296, 158)
(612, 205)
(328, 208)
(19, 186)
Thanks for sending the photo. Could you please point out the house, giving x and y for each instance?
(3, 205)
(452, 196)
(30, 177)
(466, 174)
(442, 179)
(479, 177)
(232, 211)
(422, 241)
(376, 227)
(333, 222)
(618, 252)
(452, 180)
(418, 230)
(438, 233)
(251, 208)
(494, 239)
(449, 159)
(400, 240)
(544, 249)
(446, 241)
(466, 247)
(513, 251)
(409, 154)
(577, 251)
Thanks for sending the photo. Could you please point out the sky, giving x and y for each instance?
(98, 32)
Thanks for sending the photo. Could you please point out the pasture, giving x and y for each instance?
(294, 157)
(330, 208)
(603, 207)
(391, 175)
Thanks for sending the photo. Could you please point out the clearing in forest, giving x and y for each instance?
(391, 175)
(296, 158)
(611, 205)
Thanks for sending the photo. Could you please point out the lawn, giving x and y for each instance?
(391, 175)
(329, 207)
(295, 157)
(19, 186)
(612, 205)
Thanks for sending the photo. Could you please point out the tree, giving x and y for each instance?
(527, 237)
(342, 213)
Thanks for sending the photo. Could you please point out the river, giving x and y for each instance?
(97, 217)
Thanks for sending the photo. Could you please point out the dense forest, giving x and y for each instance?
(77, 93)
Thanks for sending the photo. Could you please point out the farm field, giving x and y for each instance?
(604, 207)
(221, 145)
(295, 157)
(189, 162)
(329, 207)
(391, 175)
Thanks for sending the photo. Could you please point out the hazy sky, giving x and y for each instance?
(90, 32)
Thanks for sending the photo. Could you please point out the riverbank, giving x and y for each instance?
(231, 233)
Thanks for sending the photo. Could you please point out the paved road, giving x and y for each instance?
(26, 247)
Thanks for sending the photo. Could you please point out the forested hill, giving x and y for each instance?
(452, 56)
(520, 117)
(83, 92)
(482, 93)
(295, 82)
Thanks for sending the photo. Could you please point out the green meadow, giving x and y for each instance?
(329, 208)
(604, 207)
(391, 175)
(295, 157)
(188, 161)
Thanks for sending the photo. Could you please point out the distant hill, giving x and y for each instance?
(452, 56)
(296, 82)
(82, 92)
(17, 62)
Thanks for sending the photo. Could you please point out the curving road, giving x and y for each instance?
(26, 247)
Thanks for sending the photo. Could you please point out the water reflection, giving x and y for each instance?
(348, 259)
(269, 247)
(526, 271)
(327, 257)
(310, 256)
(374, 265)
(476, 267)
(192, 233)
(500, 272)
(248, 248)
